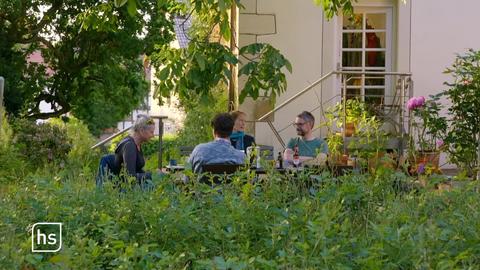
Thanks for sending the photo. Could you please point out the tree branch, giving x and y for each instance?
(40, 115)
(47, 18)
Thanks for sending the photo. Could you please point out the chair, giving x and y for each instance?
(213, 173)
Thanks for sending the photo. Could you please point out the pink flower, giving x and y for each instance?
(440, 143)
(420, 101)
(411, 104)
(415, 102)
(466, 82)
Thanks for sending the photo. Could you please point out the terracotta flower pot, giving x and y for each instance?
(349, 129)
(425, 160)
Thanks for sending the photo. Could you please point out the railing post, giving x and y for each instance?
(344, 100)
(275, 132)
(402, 105)
(160, 139)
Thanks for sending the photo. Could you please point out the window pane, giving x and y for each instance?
(354, 80)
(352, 92)
(376, 21)
(375, 96)
(353, 22)
(375, 80)
(375, 59)
(351, 59)
(375, 40)
(352, 40)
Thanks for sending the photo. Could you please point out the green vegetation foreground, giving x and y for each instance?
(357, 221)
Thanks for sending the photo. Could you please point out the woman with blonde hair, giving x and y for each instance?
(239, 139)
(128, 153)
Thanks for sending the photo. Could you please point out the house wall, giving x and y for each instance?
(426, 36)
(311, 44)
(440, 30)
(298, 35)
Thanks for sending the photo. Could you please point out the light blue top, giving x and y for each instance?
(219, 151)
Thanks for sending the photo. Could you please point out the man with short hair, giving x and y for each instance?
(220, 150)
(308, 145)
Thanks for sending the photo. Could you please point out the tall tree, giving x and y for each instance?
(91, 52)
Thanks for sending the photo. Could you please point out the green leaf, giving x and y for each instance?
(225, 29)
(221, 5)
(164, 74)
(200, 60)
(132, 7)
(288, 65)
(119, 3)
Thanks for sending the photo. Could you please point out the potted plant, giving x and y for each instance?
(347, 118)
(427, 133)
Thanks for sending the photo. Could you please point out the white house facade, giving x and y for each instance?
(421, 37)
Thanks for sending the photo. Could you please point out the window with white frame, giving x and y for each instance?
(366, 46)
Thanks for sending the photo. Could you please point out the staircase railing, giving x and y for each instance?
(405, 91)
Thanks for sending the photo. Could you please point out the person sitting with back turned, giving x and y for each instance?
(128, 153)
(239, 139)
(220, 150)
(307, 144)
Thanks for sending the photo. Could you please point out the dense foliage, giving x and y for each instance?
(60, 145)
(205, 63)
(90, 50)
(464, 95)
(42, 143)
(358, 221)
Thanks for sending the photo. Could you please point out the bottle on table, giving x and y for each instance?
(279, 161)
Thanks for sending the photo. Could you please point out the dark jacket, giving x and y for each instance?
(129, 157)
(247, 141)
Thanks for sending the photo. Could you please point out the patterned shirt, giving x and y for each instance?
(219, 151)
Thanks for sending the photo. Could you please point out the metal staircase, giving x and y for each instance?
(392, 109)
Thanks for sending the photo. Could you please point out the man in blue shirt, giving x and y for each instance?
(220, 150)
(308, 145)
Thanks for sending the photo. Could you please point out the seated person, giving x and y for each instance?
(239, 139)
(128, 153)
(220, 150)
(308, 145)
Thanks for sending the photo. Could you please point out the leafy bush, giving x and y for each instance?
(81, 159)
(11, 166)
(464, 94)
(356, 221)
(41, 144)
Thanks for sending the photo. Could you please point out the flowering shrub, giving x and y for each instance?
(464, 95)
(428, 128)
(40, 144)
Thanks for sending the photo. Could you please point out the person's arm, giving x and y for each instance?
(305, 158)
(288, 154)
(130, 161)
